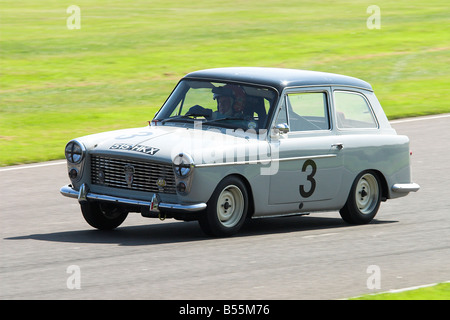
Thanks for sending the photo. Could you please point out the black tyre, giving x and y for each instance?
(103, 216)
(227, 208)
(364, 199)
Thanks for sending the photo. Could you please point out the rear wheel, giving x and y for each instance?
(103, 216)
(227, 208)
(364, 199)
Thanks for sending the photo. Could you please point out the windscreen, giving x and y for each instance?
(228, 105)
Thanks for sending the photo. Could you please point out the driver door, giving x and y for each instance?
(308, 152)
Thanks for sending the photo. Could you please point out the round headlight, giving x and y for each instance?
(74, 152)
(183, 165)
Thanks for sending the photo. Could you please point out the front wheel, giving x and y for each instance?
(227, 208)
(103, 216)
(364, 199)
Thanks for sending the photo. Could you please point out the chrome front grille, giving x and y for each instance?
(128, 174)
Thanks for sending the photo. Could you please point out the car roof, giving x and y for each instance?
(278, 78)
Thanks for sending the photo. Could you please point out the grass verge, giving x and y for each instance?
(117, 70)
(439, 291)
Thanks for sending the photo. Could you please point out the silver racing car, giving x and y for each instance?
(231, 144)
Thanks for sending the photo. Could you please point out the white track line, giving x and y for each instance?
(420, 119)
(414, 288)
(47, 164)
(402, 290)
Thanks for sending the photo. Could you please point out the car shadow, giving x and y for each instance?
(175, 232)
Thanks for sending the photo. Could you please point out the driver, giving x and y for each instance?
(230, 101)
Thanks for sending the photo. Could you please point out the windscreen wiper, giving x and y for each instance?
(221, 119)
(183, 117)
(230, 125)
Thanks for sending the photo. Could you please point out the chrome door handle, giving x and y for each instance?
(339, 146)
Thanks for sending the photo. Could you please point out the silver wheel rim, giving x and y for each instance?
(366, 194)
(230, 206)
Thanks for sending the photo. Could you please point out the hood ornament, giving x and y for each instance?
(128, 169)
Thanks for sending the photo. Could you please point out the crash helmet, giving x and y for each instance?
(236, 94)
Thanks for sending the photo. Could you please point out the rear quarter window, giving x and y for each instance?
(353, 111)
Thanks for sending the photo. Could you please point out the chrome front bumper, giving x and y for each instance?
(154, 205)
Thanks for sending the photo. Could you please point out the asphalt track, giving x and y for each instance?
(43, 235)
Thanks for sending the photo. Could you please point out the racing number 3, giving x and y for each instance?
(310, 178)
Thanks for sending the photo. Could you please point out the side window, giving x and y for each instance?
(352, 111)
(308, 111)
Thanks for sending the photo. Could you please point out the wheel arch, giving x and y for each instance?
(383, 182)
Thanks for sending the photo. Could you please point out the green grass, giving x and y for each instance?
(117, 70)
(440, 291)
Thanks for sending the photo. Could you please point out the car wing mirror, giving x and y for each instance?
(281, 128)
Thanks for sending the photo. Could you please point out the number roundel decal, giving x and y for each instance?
(308, 193)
